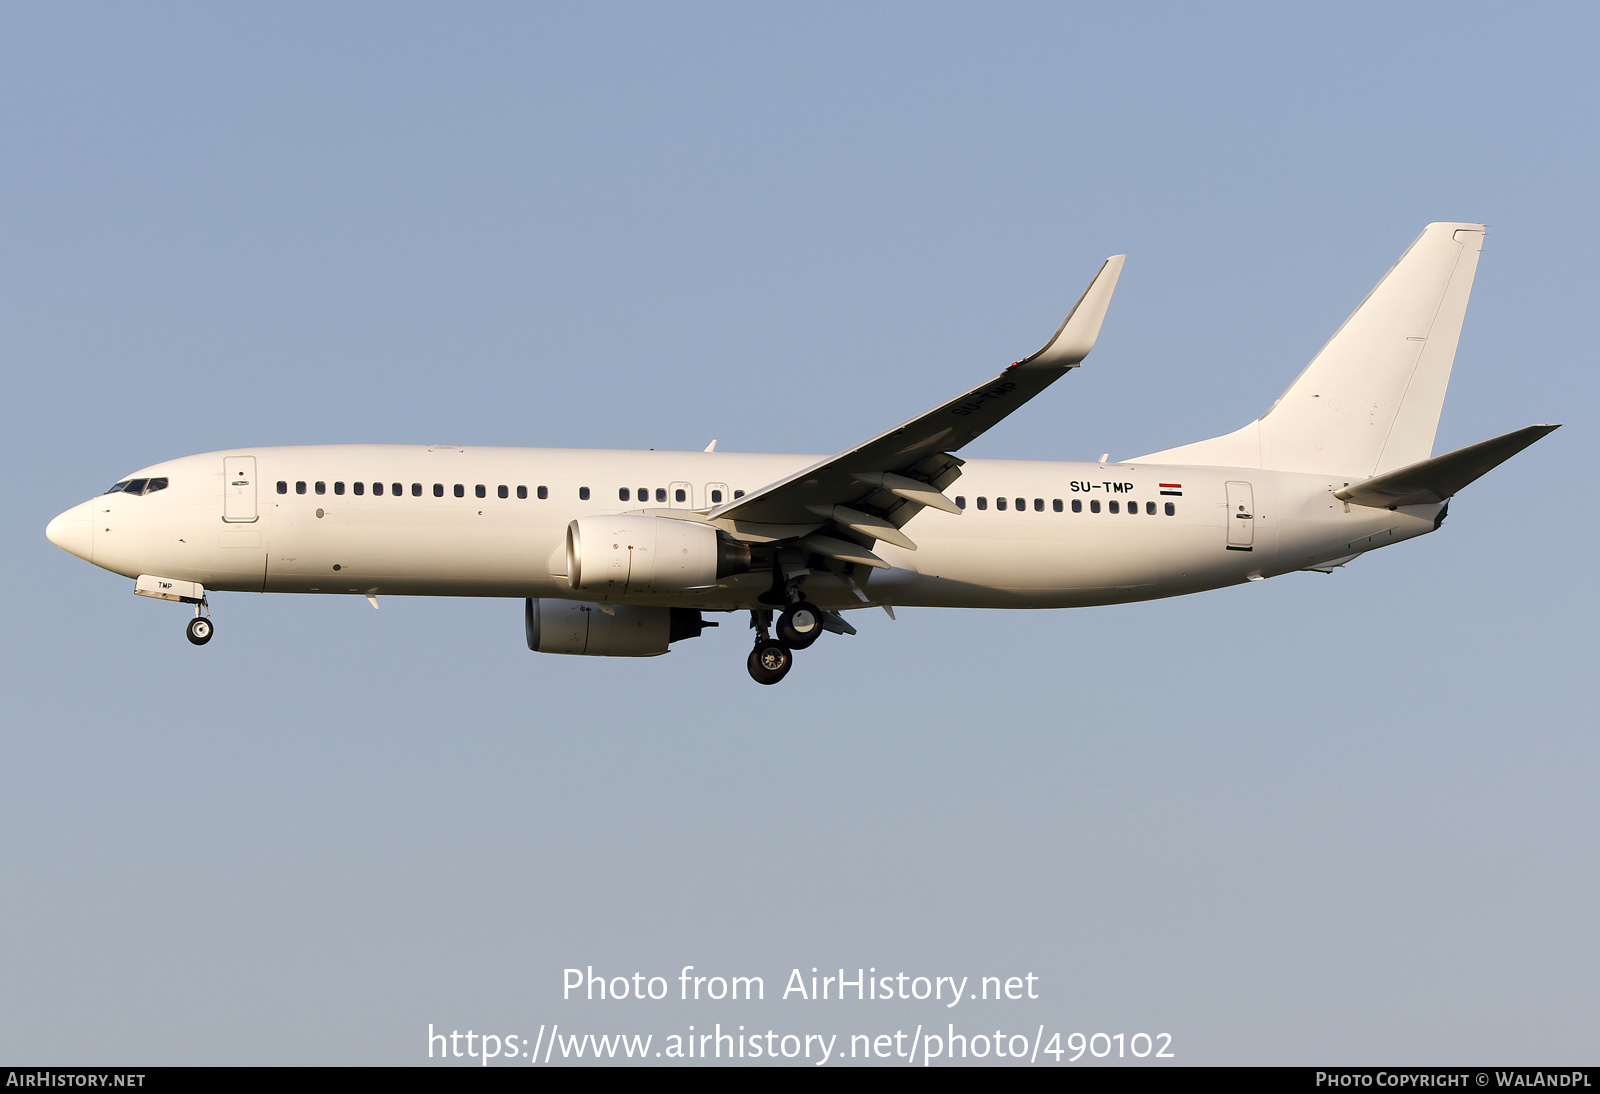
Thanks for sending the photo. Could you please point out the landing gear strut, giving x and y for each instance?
(199, 628)
(800, 624)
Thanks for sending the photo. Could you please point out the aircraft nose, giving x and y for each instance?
(73, 532)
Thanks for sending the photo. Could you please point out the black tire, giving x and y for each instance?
(769, 662)
(199, 630)
(800, 625)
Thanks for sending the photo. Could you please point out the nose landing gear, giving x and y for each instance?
(199, 628)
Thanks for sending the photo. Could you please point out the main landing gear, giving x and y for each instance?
(199, 628)
(772, 658)
(800, 624)
(770, 661)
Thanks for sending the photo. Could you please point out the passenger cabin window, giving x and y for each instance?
(680, 495)
(1094, 506)
(1000, 504)
(522, 492)
(283, 487)
(1111, 506)
(644, 493)
(1172, 510)
(321, 488)
(622, 495)
(738, 493)
(544, 492)
(438, 489)
(961, 502)
(416, 490)
(377, 489)
(1077, 505)
(983, 503)
(661, 495)
(461, 491)
(716, 497)
(1038, 505)
(503, 492)
(583, 493)
(1022, 505)
(359, 487)
(338, 488)
(397, 489)
(479, 492)
(1056, 505)
(1150, 508)
(300, 488)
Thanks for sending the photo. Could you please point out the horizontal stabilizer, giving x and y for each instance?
(1435, 480)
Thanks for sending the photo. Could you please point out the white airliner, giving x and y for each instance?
(617, 553)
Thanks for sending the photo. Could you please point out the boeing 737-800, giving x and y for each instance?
(618, 553)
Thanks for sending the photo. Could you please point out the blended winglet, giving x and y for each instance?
(1431, 481)
(1076, 336)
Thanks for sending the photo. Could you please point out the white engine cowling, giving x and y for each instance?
(635, 554)
(570, 626)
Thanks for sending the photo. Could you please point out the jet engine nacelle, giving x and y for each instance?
(627, 630)
(639, 554)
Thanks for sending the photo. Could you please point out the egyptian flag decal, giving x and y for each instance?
(1172, 489)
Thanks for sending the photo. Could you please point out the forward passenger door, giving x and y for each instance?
(239, 489)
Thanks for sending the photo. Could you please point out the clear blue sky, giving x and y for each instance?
(1320, 819)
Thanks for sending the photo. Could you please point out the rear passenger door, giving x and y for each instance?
(1241, 517)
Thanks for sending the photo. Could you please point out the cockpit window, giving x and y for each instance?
(138, 486)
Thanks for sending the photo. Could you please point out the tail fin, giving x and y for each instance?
(1369, 402)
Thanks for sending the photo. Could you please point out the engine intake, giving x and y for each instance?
(634, 554)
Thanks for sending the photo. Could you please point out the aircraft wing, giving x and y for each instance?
(873, 489)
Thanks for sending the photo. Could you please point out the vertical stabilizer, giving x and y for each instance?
(1369, 402)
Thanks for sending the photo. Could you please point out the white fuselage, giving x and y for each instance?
(1225, 526)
